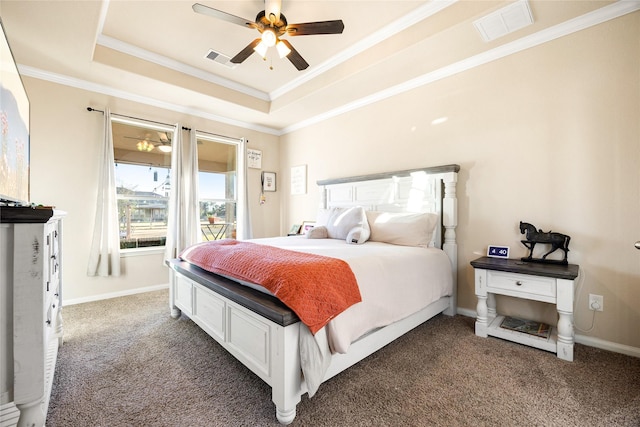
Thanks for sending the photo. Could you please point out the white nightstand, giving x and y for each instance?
(549, 283)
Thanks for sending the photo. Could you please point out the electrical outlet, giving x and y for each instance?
(596, 302)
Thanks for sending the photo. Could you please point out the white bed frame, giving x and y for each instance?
(263, 335)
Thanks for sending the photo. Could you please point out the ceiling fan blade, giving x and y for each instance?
(296, 59)
(206, 10)
(143, 139)
(246, 52)
(320, 27)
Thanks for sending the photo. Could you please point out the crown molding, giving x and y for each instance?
(172, 64)
(389, 30)
(129, 49)
(607, 13)
(612, 11)
(421, 13)
(107, 90)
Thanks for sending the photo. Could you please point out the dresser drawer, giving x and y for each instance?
(514, 284)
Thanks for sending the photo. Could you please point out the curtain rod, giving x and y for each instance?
(160, 123)
(136, 118)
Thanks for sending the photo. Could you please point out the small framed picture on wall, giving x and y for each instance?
(268, 181)
(254, 158)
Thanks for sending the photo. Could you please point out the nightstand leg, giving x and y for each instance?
(481, 320)
(491, 306)
(565, 335)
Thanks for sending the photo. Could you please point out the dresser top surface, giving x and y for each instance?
(569, 271)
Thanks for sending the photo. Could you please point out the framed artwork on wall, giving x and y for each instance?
(295, 229)
(306, 226)
(254, 158)
(299, 180)
(268, 181)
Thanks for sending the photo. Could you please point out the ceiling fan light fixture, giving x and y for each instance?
(261, 49)
(269, 37)
(283, 49)
(144, 146)
(164, 148)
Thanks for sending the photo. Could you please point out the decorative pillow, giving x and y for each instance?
(359, 235)
(317, 232)
(407, 229)
(341, 221)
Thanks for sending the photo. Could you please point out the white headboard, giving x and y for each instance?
(430, 189)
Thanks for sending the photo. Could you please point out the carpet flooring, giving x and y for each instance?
(126, 362)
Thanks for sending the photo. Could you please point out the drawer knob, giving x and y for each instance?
(519, 283)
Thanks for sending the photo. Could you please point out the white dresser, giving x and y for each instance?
(554, 284)
(30, 307)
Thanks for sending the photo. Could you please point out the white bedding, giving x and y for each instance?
(395, 281)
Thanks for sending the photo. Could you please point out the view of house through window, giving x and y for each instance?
(143, 166)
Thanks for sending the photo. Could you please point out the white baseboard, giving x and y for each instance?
(583, 339)
(114, 294)
(608, 345)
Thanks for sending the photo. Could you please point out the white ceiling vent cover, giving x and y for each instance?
(220, 58)
(504, 21)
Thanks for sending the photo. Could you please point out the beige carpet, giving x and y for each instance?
(126, 362)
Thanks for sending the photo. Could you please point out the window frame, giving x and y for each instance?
(239, 201)
(237, 144)
(152, 126)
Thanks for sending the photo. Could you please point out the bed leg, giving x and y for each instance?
(285, 417)
(175, 311)
(287, 385)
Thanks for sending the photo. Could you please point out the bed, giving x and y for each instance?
(270, 339)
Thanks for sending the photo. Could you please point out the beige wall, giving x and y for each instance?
(65, 156)
(550, 135)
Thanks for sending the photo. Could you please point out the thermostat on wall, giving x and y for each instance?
(498, 251)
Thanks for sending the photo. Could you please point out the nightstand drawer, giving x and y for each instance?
(509, 283)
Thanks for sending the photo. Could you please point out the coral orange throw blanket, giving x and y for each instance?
(317, 288)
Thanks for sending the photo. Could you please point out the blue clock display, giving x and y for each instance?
(498, 251)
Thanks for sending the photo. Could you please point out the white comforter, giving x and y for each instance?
(394, 281)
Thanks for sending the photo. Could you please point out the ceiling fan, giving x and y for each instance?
(147, 144)
(272, 25)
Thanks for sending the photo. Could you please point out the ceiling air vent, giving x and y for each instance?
(504, 21)
(220, 58)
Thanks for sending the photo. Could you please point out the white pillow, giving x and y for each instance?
(407, 229)
(317, 232)
(340, 222)
(359, 235)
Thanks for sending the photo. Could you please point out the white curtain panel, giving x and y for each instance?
(104, 257)
(183, 225)
(244, 219)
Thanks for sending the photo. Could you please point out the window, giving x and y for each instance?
(142, 155)
(143, 163)
(217, 186)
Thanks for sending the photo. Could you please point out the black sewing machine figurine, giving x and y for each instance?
(556, 240)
